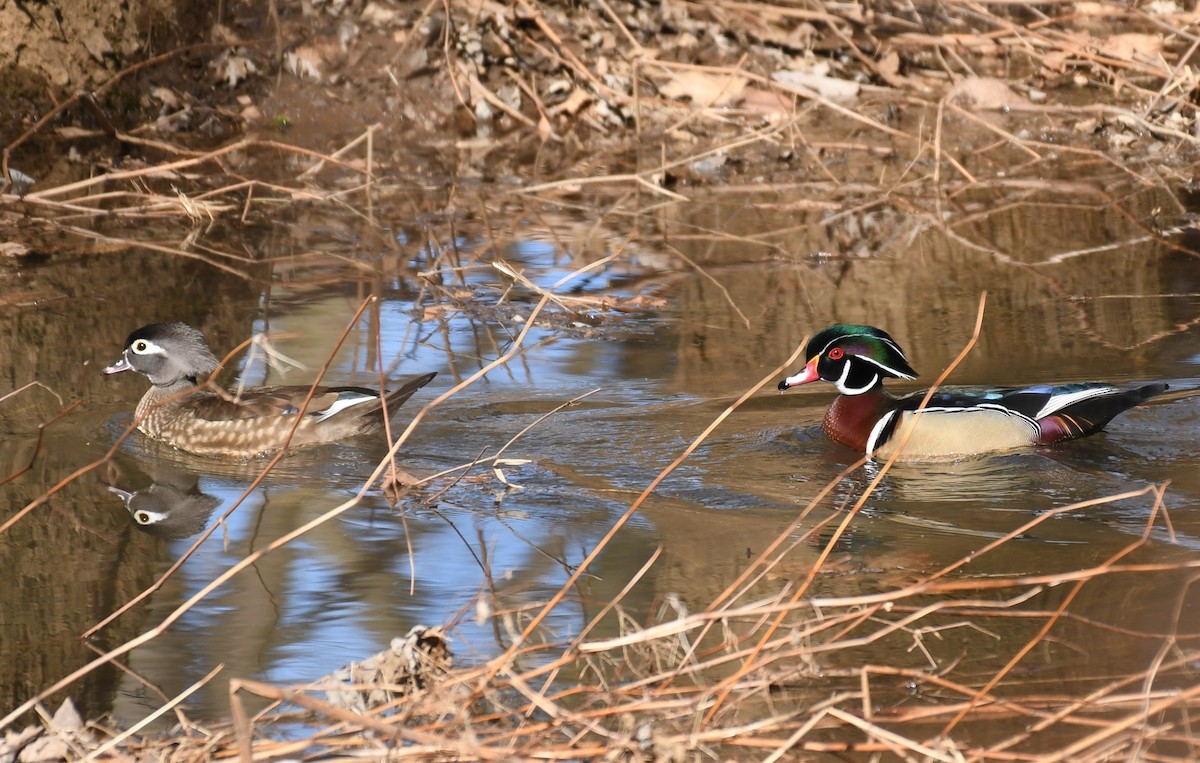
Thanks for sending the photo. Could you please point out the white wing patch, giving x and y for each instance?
(343, 404)
(1058, 402)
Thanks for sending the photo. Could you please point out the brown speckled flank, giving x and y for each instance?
(257, 422)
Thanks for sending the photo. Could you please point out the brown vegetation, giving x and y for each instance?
(933, 113)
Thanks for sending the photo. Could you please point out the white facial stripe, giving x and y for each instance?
(869, 336)
(885, 367)
(150, 348)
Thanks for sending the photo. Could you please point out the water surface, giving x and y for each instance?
(665, 343)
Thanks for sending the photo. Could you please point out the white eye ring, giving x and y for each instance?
(145, 347)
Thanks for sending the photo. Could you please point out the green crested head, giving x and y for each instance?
(854, 358)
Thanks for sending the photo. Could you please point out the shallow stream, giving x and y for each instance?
(702, 302)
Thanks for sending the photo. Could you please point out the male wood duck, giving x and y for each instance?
(956, 423)
(256, 421)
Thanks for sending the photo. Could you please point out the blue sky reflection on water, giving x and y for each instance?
(343, 591)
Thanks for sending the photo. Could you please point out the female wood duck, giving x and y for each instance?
(165, 511)
(256, 421)
(856, 359)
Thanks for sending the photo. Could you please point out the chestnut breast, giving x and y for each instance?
(850, 418)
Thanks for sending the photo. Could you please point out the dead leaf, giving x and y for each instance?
(500, 476)
(304, 63)
(637, 304)
(508, 462)
(13, 249)
(573, 103)
(1121, 139)
(377, 15)
(1168, 8)
(166, 95)
(1055, 61)
(704, 88)
(410, 664)
(397, 484)
(829, 88)
(1075, 44)
(1134, 46)
(96, 44)
(985, 93)
(233, 66)
(70, 132)
(888, 67)
(434, 312)
(66, 718)
(756, 100)
(20, 182)
(1098, 9)
(46, 750)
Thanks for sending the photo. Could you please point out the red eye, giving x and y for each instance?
(835, 353)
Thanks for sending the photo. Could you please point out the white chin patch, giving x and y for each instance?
(848, 390)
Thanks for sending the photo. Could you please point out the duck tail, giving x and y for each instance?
(394, 400)
(1091, 414)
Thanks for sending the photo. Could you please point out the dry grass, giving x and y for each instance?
(746, 676)
(743, 677)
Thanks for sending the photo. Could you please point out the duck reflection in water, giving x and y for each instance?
(171, 507)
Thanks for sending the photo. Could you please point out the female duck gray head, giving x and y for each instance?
(166, 353)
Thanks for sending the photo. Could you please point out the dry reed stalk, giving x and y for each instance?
(1073, 592)
(205, 590)
(661, 674)
(63, 412)
(168, 706)
(725, 688)
(128, 646)
(178, 251)
(645, 178)
(249, 489)
(800, 90)
(176, 205)
(625, 517)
